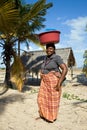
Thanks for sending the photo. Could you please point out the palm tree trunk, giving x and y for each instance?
(8, 51)
(19, 48)
(7, 74)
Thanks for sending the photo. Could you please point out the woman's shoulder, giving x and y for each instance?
(57, 56)
(58, 59)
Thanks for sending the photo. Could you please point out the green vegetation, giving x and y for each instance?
(72, 96)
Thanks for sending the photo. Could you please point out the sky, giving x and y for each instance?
(70, 18)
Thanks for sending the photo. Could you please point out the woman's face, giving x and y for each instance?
(50, 51)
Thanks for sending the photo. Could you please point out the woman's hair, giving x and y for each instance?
(50, 45)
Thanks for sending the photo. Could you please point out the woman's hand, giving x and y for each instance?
(58, 86)
(63, 74)
(41, 75)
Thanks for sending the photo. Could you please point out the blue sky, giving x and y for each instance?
(70, 18)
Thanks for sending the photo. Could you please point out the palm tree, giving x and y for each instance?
(19, 23)
(8, 17)
(31, 24)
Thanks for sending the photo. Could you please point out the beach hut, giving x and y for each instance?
(32, 60)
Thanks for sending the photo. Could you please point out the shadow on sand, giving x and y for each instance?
(9, 99)
(33, 82)
(82, 79)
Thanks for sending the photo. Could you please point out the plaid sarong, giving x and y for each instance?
(48, 98)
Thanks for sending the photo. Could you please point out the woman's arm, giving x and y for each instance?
(64, 71)
(41, 74)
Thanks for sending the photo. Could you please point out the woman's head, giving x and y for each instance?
(50, 48)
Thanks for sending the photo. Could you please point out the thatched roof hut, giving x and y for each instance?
(34, 59)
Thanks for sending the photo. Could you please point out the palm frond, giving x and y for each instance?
(17, 73)
(34, 38)
(8, 16)
(37, 9)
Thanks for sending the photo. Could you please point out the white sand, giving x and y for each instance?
(19, 110)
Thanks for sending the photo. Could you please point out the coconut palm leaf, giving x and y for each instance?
(32, 20)
(34, 10)
(17, 73)
(8, 16)
(37, 10)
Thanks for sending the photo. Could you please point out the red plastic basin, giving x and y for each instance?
(49, 37)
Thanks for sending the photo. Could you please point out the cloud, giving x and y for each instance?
(59, 18)
(79, 51)
(77, 29)
(75, 36)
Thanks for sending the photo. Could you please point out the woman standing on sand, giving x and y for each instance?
(51, 81)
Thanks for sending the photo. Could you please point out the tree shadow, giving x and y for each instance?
(26, 88)
(31, 62)
(33, 81)
(82, 79)
(9, 99)
(80, 104)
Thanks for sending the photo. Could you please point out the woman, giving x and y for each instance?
(51, 81)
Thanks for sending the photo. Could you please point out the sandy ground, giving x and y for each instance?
(19, 110)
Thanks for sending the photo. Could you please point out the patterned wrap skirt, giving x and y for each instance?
(48, 97)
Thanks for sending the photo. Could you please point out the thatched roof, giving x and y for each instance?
(34, 59)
